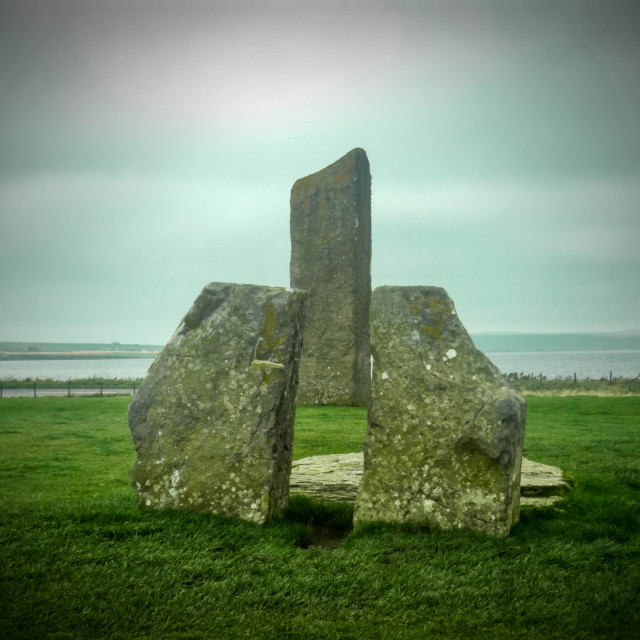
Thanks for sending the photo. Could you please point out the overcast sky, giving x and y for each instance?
(146, 152)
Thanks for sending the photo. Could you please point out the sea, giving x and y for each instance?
(552, 364)
(567, 364)
(100, 368)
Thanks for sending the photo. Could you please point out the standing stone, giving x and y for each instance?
(444, 435)
(213, 420)
(331, 260)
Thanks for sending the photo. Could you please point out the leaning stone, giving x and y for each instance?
(331, 260)
(444, 434)
(213, 420)
(335, 478)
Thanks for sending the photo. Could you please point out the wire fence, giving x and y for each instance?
(37, 389)
(520, 381)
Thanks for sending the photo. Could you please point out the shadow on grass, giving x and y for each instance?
(327, 524)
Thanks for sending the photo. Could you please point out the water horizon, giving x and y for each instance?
(552, 364)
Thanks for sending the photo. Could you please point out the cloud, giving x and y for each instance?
(145, 152)
(114, 224)
(605, 206)
(226, 69)
(529, 255)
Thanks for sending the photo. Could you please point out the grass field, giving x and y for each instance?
(78, 560)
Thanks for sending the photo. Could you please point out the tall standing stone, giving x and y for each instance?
(213, 420)
(331, 260)
(444, 435)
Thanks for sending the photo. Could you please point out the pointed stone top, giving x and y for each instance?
(355, 155)
(356, 158)
(358, 152)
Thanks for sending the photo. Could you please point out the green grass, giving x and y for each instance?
(78, 560)
(321, 430)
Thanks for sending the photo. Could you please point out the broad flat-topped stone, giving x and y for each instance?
(331, 260)
(444, 432)
(213, 420)
(542, 485)
(332, 478)
(335, 478)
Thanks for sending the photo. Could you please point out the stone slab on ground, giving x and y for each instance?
(335, 478)
(331, 260)
(212, 423)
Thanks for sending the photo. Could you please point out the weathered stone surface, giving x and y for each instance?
(444, 435)
(213, 420)
(335, 478)
(331, 260)
(542, 485)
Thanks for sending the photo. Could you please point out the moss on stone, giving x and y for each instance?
(444, 434)
(330, 259)
(213, 425)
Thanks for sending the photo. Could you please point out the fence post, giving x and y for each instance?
(34, 389)
(610, 377)
(101, 388)
(134, 387)
(575, 378)
(0, 388)
(69, 388)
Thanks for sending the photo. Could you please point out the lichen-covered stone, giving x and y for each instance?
(213, 420)
(331, 260)
(444, 434)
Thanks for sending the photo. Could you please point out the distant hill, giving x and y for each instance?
(487, 342)
(531, 342)
(56, 350)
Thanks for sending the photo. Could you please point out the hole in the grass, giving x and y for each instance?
(327, 524)
(327, 538)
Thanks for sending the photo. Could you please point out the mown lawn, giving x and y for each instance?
(78, 560)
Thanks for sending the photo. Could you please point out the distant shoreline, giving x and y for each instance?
(486, 342)
(76, 355)
(554, 342)
(31, 351)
